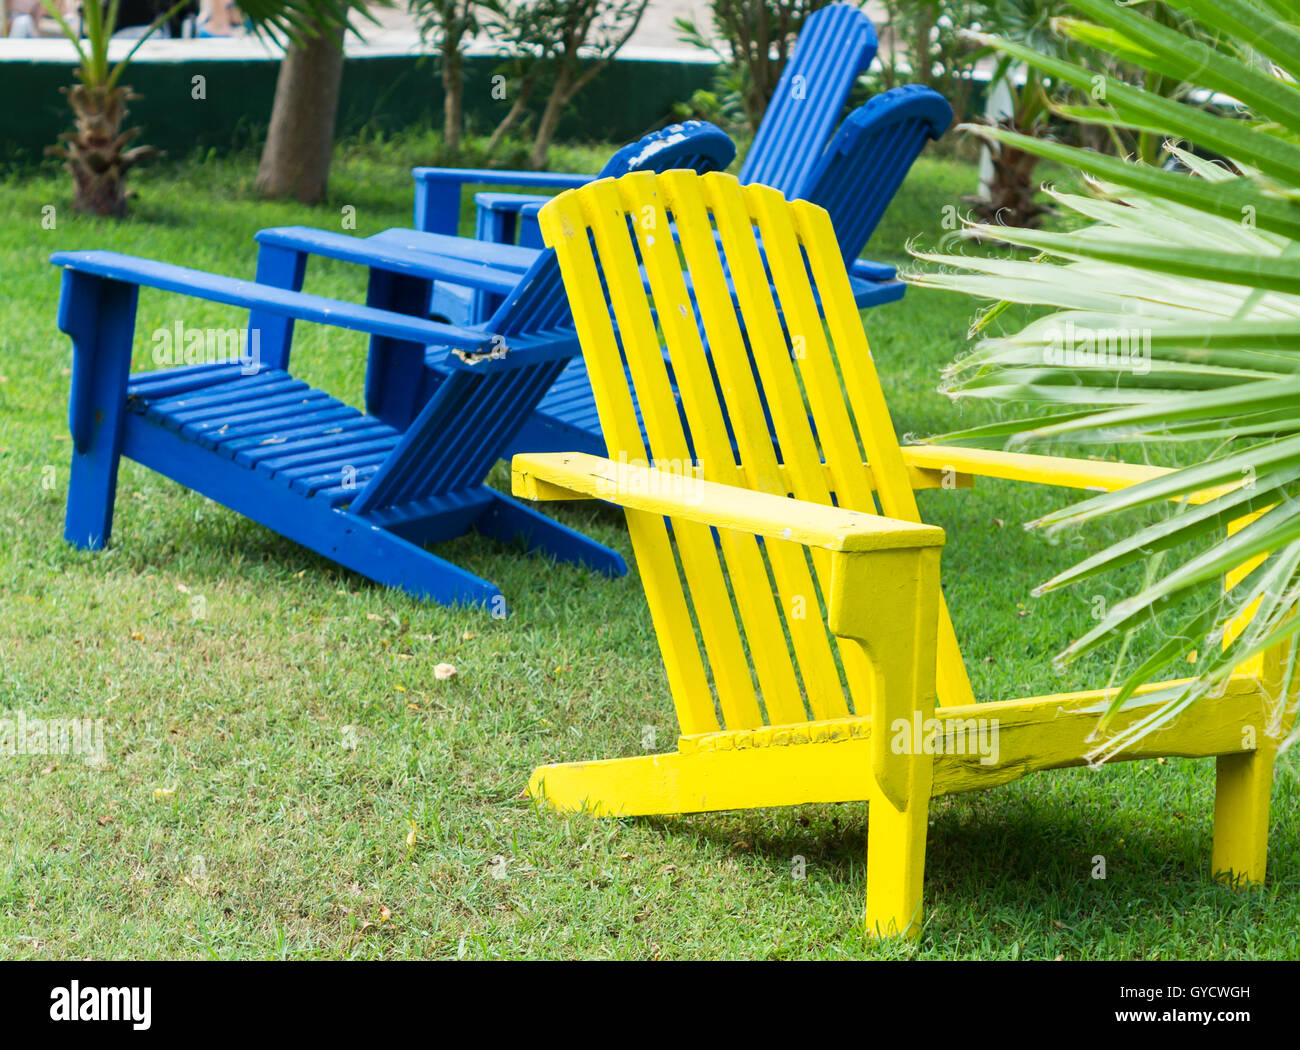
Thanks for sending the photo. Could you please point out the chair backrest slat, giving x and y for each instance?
(769, 292)
(869, 157)
(759, 611)
(470, 420)
(772, 351)
(835, 46)
(460, 433)
(669, 609)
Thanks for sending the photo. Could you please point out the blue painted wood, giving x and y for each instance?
(350, 485)
(835, 47)
(524, 297)
(269, 334)
(693, 144)
(501, 258)
(147, 273)
(353, 542)
(867, 160)
(438, 190)
(510, 521)
(391, 254)
(99, 316)
(396, 366)
(854, 177)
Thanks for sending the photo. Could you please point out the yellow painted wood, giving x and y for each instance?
(1243, 784)
(565, 227)
(767, 343)
(719, 506)
(1256, 664)
(887, 602)
(830, 761)
(757, 605)
(871, 414)
(642, 351)
(920, 477)
(1097, 475)
(833, 518)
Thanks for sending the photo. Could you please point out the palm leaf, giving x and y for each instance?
(1174, 318)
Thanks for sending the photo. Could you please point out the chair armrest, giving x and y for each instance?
(551, 475)
(508, 202)
(884, 592)
(1095, 475)
(437, 190)
(385, 255)
(502, 217)
(147, 273)
(501, 177)
(465, 249)
(872, 271)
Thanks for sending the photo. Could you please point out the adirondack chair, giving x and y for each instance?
(854, 179)
(403, 270)
(823, 687)
(836, 45)
(362, 489)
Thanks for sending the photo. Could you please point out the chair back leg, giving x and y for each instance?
(1243, 786)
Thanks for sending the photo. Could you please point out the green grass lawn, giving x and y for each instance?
(286, 777)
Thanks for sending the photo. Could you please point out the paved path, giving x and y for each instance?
(396, 34)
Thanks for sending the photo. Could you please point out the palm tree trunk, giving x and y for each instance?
(96, 152)
(296, 158)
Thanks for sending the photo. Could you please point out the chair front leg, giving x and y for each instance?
(887, 602)
(270, 335)
(99, 315)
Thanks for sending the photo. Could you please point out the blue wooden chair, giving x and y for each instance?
(402, 273)
(836, 46)
(854, 179)
(694, 144)
(363, 489)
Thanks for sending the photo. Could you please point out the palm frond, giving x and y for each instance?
(1173, 318)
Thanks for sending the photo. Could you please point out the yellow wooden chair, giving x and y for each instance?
(812, 619)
